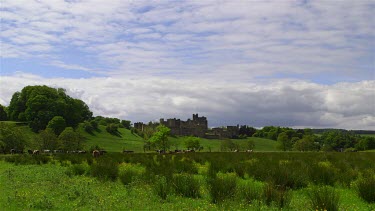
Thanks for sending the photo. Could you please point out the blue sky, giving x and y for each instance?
(203, 48)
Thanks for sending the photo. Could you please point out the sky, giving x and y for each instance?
(283, 63)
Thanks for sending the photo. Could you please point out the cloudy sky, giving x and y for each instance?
(285, 63)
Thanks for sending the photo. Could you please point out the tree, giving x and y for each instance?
(47, 139)
(307, 143)
(229, 144)
(11, 137)
(57, 124)
(250, 145)
(126, 124)
(39, 104)
(3, 113)
(160, 137)
(192, 143)
(70, 140)
(285, 143)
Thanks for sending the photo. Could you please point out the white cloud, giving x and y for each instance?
(286, 103)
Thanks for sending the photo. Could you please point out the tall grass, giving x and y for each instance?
(161, 187)
(366, 188)
(186, 185)
(273, 195)
(324, 198)
(105, 169)
(222, 186)
(249, 191)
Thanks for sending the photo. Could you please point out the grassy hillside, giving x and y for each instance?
(129, 141)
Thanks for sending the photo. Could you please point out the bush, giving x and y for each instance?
(274, 196)
(324, 198)
(323, 173)
(249, 191)
(366, 188)
(129, 174)
(186, 185)
(77, 169)
(161, 187)
(105, 169)
(222, 186)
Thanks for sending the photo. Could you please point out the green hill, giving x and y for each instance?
(127, 140)
(130, 141)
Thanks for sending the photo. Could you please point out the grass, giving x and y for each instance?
(128, 141)
(48, 186)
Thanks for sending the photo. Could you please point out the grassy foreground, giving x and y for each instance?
(198, 181)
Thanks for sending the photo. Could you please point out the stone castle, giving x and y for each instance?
(198, 126)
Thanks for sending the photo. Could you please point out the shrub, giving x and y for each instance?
(161, 187)
(222, 186)
(249, 191)
(105, 169)
(366, 188)
(324, 198)
(323, 173)
(186, 185)
(274, 196)
(129, 174)
(185, 165)
(77, 169)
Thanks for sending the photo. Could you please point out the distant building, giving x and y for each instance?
(198, 126)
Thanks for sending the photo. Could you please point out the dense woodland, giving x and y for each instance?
(55, 116)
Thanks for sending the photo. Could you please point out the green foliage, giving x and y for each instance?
(105, 169)
(186, 185)
(246, 131)
(3, 113)
(112, 128)
(78, 169)
(274, 196)
(230, 145)
(323, 172)
(47, 139)
(307, 143)
(160, 137)
(222, 186)
(324, 198)
(161, 187)
(249, 145)
(12, 137)
(57, 124)
(39, 104)
(366, 188)
(126, 124)
(339, 139)
(192, 143)
(285, 143)
(249, 191)
(70, 139)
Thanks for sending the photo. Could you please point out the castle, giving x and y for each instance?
(198, 126)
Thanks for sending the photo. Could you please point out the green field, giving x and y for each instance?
(130, 141)
(239, 181)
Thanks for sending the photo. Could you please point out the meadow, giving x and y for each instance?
(190, 181)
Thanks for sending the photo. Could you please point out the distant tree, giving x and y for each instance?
(12, 137)
(94, 124)
(307, 143)
(88, 127)
(57, 124)
(3, 113)
(246, 131)
(249, 145)
(285, 143)
(126, 124)
(112, 128)
(47, 139)
(229, 144)
(70, 140)
(160, 137)
(192, 143)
